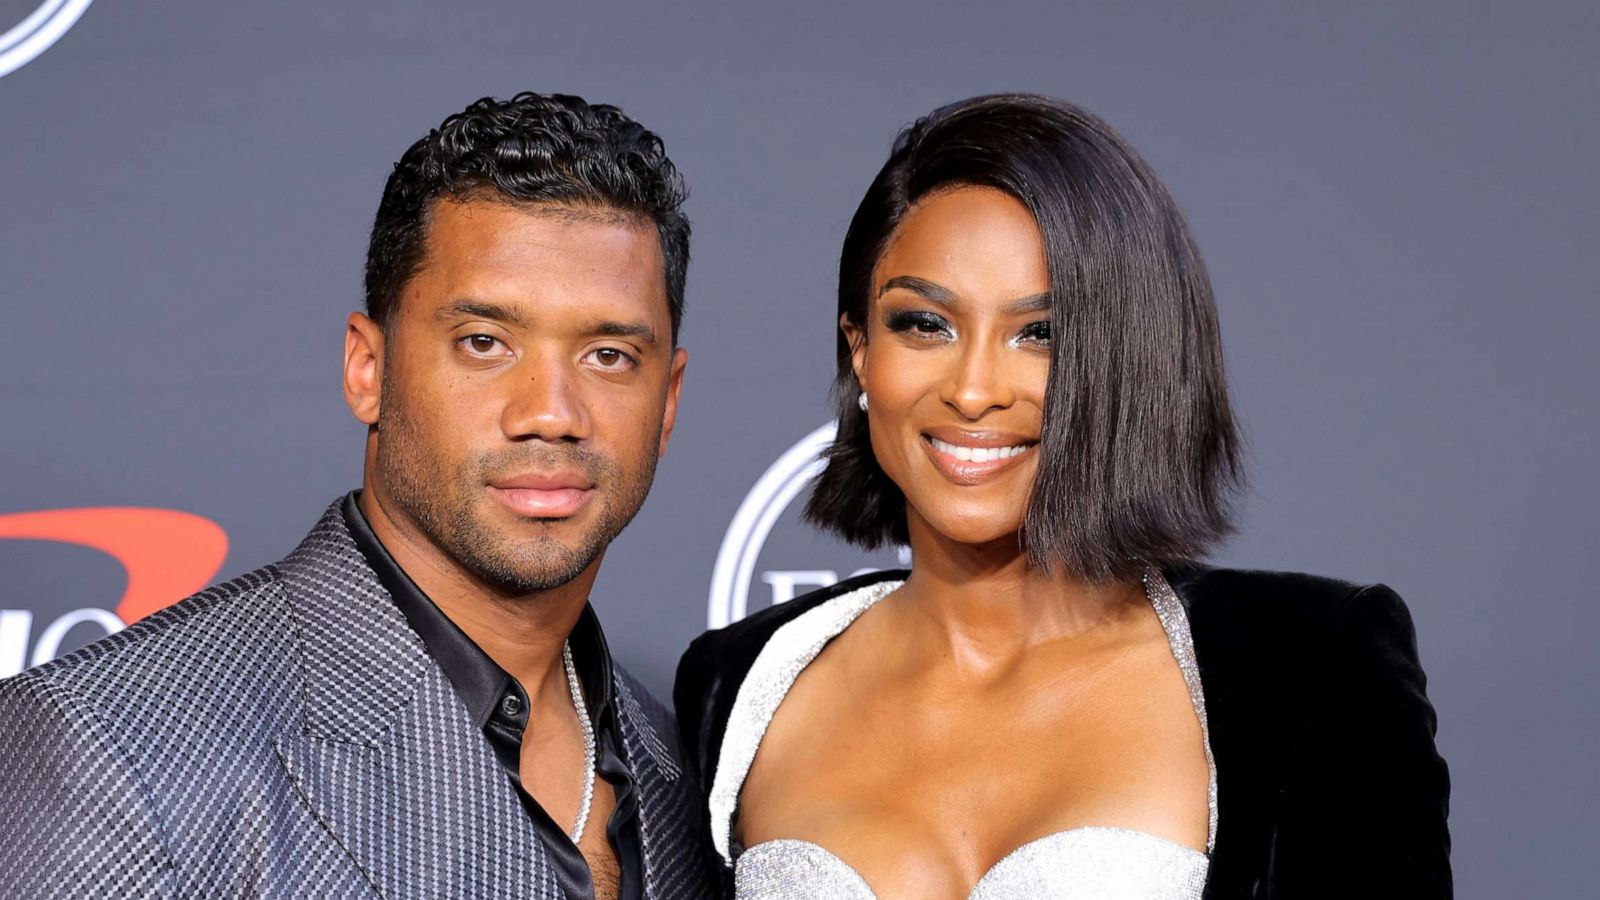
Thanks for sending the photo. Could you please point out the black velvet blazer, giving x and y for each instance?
(1328, 783)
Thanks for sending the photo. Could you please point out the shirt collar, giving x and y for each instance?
(479, 681)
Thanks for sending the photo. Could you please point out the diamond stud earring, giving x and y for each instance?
(861, 401)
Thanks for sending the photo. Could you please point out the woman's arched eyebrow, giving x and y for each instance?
(922, 287)
(943, 296)
(1035, 303)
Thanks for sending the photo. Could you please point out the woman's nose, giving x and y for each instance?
(978, 384)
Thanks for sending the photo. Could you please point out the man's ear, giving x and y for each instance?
(680, 359)
(856, 336)
(363, 367)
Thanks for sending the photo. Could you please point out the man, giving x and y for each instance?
(418, 701)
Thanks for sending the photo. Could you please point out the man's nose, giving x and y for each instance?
(544, 402)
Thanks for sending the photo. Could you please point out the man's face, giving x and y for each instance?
(528, 385)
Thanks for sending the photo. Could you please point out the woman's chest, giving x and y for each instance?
(928, 794)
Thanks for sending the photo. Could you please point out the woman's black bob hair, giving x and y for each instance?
(1139, 453)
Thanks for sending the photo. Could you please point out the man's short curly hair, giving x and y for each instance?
(533, 148)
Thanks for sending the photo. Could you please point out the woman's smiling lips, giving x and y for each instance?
(970, 457)
(543, 495)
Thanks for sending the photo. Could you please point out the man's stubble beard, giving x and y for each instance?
(443, 504)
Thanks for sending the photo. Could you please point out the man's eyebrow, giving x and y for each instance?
(637, 330)
(468, 308)
(943, 296)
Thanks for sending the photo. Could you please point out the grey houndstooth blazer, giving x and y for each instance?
(287, 735)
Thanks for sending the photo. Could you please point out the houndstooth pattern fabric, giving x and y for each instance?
(286, 735)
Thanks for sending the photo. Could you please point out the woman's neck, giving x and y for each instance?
(983, 605)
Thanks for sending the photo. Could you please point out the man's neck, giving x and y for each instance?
(522, 633)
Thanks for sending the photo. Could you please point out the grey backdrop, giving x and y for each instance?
(1397, 202)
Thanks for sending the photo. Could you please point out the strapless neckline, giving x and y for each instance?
(1142, 865)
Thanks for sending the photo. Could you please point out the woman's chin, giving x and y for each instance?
(1002, 537)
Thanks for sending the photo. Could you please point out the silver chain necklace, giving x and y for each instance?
(588, 742)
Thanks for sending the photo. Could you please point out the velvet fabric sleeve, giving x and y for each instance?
(696, 735)
(1366, 794)
(695, 694)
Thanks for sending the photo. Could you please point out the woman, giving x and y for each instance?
(1056, 700)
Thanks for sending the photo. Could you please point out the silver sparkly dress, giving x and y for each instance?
(1093, 862)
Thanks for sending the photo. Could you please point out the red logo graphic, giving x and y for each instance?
(168, 554)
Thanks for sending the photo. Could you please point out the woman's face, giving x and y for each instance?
(954, 361)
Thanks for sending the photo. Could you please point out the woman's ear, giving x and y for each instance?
(856, 337)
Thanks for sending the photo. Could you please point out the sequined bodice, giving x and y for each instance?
(1098, 862)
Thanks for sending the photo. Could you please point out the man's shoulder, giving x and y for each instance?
(186, 655)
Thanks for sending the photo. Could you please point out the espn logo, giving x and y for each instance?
(167, 554)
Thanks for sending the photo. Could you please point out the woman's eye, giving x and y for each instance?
(919, 323)
(612, 358)
(1036, 333)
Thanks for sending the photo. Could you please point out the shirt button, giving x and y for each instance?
(510, 705)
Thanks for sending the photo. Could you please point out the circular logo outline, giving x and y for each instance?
(38, 32)
(772, 493)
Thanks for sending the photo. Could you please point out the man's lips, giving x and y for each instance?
(552, 495)
(971, 457)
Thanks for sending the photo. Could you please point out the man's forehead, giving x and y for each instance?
(473, 231)
(540, 254)
(572, 211)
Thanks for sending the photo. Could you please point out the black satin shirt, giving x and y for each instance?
(499, 706)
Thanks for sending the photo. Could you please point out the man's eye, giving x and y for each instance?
(482, 345)
(611, 358)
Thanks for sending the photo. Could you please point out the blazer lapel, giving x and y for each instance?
(388, 760)
(678, 864)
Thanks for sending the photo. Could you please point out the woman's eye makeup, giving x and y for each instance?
(917, 322)
(1035, 333)
(927, 325)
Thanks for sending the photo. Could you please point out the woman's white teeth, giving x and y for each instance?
(976, 454)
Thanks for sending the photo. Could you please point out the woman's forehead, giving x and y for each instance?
(978, 244)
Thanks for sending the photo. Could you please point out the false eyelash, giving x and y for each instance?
(910, 320)
(1036, 331)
